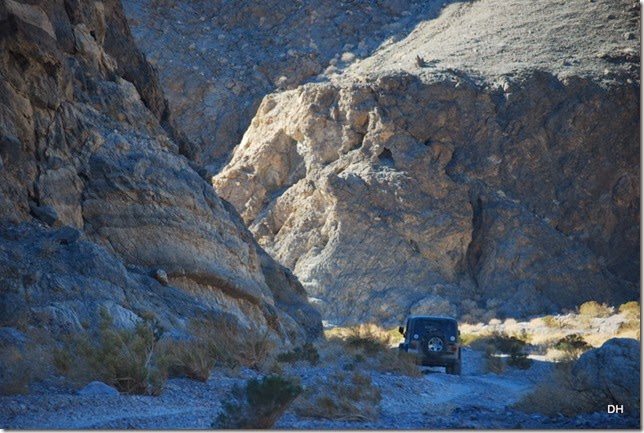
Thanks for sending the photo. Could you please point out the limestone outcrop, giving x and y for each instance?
(436, 193)
(97, 204)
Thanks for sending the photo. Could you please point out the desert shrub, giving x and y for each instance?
(493, 363)
(366, 331)
(306, 352)
(214, 343)
(121, 358)
(552, 322)
(193, 359)
(21, 366)
(629, 325)
(15, 373)
(520, 360)
(259, 404)
(394, 361)
(560, 395)
(571, 347)
(341, 396)
(470, 339)
(501, 343)
(595, 309)
(368, 338)
(498, 342)
(630, 310)
(370, 346)
(365, 343)
(507, 344)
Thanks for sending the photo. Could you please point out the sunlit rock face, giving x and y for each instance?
(96, 198)
(437, 194)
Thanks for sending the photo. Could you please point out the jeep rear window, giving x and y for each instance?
(421, 326)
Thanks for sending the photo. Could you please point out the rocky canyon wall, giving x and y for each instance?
(474, 158)
(408, 195)
(218, 59)
(98, 207)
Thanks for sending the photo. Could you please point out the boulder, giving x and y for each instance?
(98, 389)
(611, 373)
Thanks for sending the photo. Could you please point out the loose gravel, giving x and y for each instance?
(434, 401)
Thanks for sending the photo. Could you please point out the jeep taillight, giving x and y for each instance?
(452, 348)
(413, 345)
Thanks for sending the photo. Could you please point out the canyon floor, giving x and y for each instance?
(436, 400)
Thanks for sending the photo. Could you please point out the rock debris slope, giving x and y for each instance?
(217, 59)
(502, 182)
(96, 199)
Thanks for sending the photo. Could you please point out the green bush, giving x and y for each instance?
(572, 346)
(259, 405)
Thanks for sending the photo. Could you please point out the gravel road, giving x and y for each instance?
(434, 401)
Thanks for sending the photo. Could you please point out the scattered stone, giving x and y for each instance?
(161, 276)
(67, 235)
(98, 389)
(46, 214)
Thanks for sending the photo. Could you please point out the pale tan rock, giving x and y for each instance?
(415, 194)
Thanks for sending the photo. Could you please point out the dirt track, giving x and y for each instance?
(436, 400)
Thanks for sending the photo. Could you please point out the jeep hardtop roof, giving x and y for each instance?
(431, 317)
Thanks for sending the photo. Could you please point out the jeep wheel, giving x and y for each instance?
(433, 344)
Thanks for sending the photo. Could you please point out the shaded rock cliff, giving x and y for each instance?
(99, 207)
(421, 182)
(217, 59)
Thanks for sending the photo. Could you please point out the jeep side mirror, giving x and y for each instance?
(401, 330)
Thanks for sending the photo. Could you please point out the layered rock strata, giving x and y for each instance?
(98, 206)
